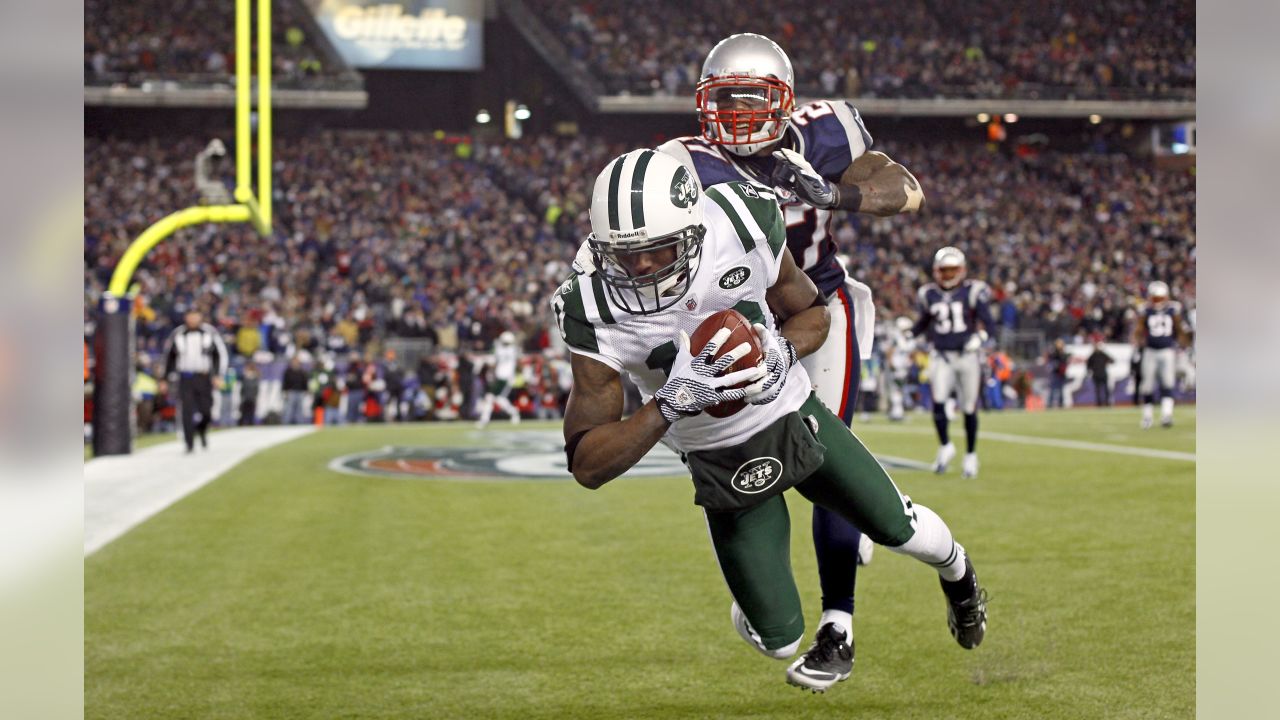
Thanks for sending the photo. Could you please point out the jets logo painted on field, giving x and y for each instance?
(513, 455)
(684, 190)
(758, 475)
(735, 277)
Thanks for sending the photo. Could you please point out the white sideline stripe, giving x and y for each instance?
(122, 491)
(1050, 442)
(1096, 447)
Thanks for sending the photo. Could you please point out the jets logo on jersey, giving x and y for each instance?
(758, 475)
(735, 277)
(684, 191)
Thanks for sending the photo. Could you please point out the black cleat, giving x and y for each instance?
(967, 618)
(828, 661)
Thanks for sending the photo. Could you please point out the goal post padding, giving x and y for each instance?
(113, 349)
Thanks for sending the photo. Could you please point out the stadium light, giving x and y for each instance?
(483, 117)
(522, 112)
(1011, 117)
(983, 117)
(1095, 119)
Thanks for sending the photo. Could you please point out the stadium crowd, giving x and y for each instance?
(133, 42)
(895, 48)
(388, 238)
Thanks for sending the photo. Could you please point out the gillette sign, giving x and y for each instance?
(409, 34)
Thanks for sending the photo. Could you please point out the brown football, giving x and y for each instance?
(741, 332)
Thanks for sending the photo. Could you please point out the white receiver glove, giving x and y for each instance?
(779, 356)
(695, 384)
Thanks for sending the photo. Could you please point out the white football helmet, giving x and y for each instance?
(646, 230)
(507, 338)
(746, 94)
(944, 262)
(1158, 291)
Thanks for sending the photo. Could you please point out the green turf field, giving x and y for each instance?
(288, 590)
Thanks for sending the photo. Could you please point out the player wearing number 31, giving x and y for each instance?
(666, 257)
(950, 309)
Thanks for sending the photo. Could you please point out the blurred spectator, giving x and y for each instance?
(249, 395)
(295, 393)
(1098, 363)
(1058, 360)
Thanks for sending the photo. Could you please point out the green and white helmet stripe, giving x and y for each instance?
(644, 203)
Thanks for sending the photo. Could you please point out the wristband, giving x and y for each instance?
(846, 197)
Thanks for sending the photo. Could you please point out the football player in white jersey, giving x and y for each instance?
(819, 159)
(898, 358)
(506, 360)
(1159, 333)
(665, 258)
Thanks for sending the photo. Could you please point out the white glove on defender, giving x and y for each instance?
(695, 384)
(779, 356)
(795, 174)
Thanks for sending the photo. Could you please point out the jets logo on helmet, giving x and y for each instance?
(948, 267)
(745, 96)
(684, 191)
(646, 230)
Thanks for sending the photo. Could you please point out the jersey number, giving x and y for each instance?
(1159, 325)
(811, 112)
(948, 317)
(664, 356)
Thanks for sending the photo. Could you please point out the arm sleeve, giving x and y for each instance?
(220, 358)
(835, 138)
(922, 322)
(982, 305)
(171, 354)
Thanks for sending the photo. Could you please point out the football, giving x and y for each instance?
(741, 332)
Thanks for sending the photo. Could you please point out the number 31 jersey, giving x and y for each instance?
(951, 316)
(1161, 323)
(740, 259)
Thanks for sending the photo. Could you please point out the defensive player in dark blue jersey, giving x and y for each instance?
(1159, 333)
(818, 158)
(950, 309)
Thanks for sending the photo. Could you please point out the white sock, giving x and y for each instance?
(932, 543)
(1147, 409)
(842, 619)
(1166, 407)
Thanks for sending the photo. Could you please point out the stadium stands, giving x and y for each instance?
(385, 234)
(896, 48)
(194, 42)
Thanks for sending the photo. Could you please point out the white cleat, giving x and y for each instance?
(969, 469)
(946, 454)
(865, 548)
(1146, 422)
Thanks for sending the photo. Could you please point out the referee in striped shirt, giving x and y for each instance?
(197, 360)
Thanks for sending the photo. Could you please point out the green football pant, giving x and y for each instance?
(753, 546)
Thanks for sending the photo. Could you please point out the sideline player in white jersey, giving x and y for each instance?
(901, 344)
(1159, 332)
(950, 309)
(665, 259)
(819, 159)
(506, 361)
